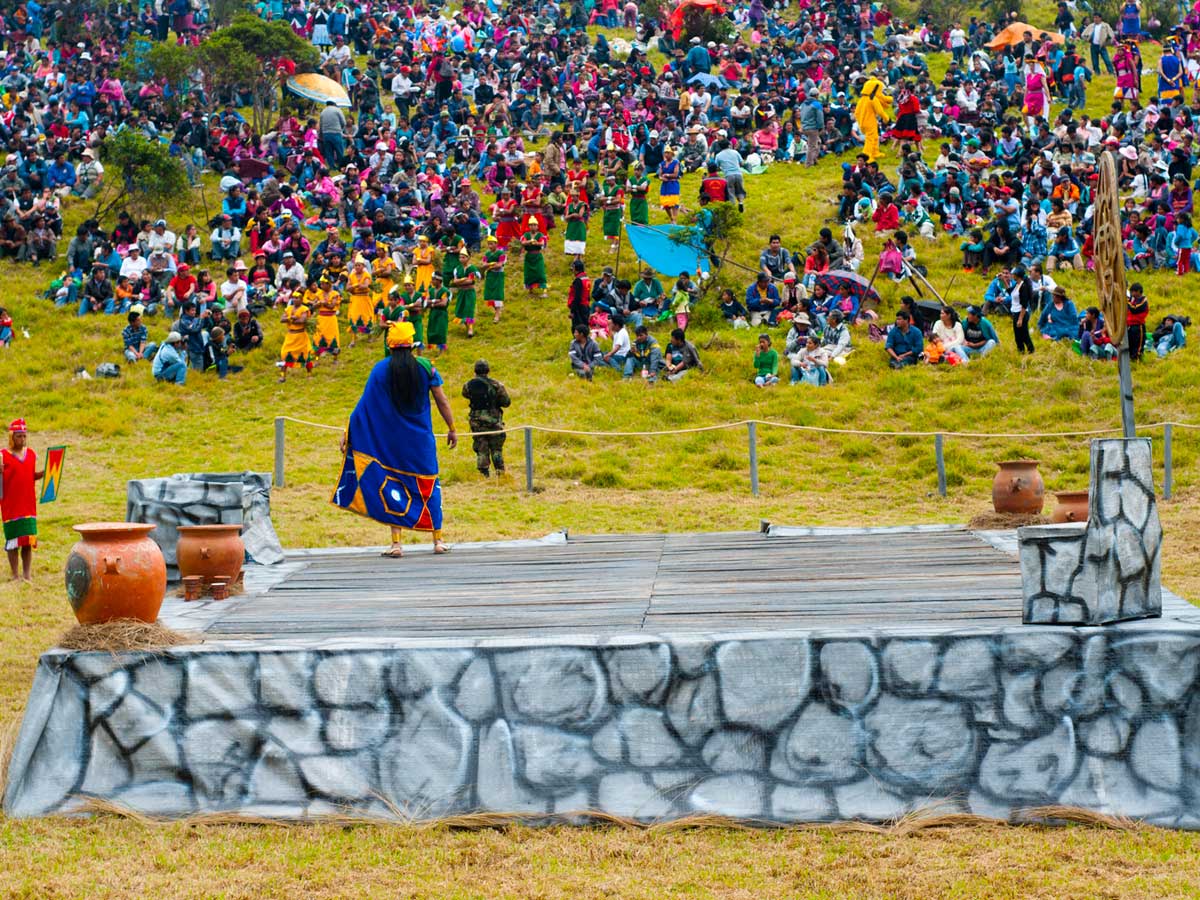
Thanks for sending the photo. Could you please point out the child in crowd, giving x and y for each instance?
(6, 329)
(1185, 240)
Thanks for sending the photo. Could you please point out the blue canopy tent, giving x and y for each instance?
(652, 244)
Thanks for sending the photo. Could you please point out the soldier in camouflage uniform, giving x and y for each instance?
(488, 398)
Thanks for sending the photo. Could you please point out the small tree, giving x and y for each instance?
(140, 173)
(725, 221)
(242, 59)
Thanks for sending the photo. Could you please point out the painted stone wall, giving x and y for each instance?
(1110, 570)
(803, 729)
(206, 499)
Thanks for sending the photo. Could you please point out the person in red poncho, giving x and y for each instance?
(18, 502)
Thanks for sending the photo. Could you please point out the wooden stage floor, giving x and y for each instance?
(862, 580)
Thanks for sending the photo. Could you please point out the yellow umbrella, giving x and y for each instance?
(318, 88)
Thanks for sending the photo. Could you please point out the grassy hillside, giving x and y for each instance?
(132, 427)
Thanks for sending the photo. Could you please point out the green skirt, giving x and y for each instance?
(464, 305)
(535, 270)
(612, 222)
(493, 287)
(439, 327)
(639, 211)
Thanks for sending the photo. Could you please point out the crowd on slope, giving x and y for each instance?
(410, 203)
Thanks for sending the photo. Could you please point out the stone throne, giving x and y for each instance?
(1109, 569)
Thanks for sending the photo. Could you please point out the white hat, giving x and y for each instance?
(174, 337)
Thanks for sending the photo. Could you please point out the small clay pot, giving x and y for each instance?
(1018, 488)
(220, 589)
(210, 551)
(193, 587)
(1070, 506)
(115, 572)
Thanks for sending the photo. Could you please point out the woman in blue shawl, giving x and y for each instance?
(390, 467)
(1172, 75)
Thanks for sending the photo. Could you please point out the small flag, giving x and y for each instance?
(54, 467)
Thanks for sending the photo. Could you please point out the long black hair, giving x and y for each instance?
(404, 379)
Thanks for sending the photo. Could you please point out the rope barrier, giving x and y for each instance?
(819, 429)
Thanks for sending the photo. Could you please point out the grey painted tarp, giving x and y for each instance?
(807, 728)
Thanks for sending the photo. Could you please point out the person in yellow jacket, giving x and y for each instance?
(873, 107)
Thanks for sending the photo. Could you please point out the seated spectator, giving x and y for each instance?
(182, 287)
(97, 294)
(775, 261)
(949, 332)
(887, 215)
(226, 240)
(904, 342)
(134, 264)
(1063, 252)
(1170, 335)
(810, 363)
(247, 332)
(1094, 340)
(159, 238)
(615, 358)
(135, 339)
(1059, 320)
(972, 251)
(979, 335)
(13, 239)
(232, 291)
(644, 354)
(584, 353)
(187, 246)
(766, 362)
(219, 347)
(732, 309)
(762, 300)
(836, 336)
(681, 355)
(191, 326)
(647, 295)
(169, 363)
(43, 242)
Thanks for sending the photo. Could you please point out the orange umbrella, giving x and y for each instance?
(1015, 33)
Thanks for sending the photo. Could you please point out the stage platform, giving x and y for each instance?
(799, 675)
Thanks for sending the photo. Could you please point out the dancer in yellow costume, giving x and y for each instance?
(362, 309)
(423, 261)
(873, 106)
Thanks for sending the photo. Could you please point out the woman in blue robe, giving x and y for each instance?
(389, 466)
(1172, 75)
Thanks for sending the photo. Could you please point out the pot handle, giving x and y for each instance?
(205, 553)
(112, 565)
(1017, 484)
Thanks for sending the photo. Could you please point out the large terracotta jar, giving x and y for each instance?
(1018, 488)
(115, 572)
(210, 551)
(1070, 506)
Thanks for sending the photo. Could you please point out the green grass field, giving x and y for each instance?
(132, 427)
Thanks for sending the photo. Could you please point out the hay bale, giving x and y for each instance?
(122, 635)
(994, 521)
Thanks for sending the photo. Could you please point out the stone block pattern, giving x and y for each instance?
(803, 729)
(1111, 570)
(206, 499)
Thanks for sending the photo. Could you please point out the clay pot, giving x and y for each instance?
(115, 572)
(220, 589)
(1018, 488)
(193, 587)
(1070, 506)
(210, 551)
